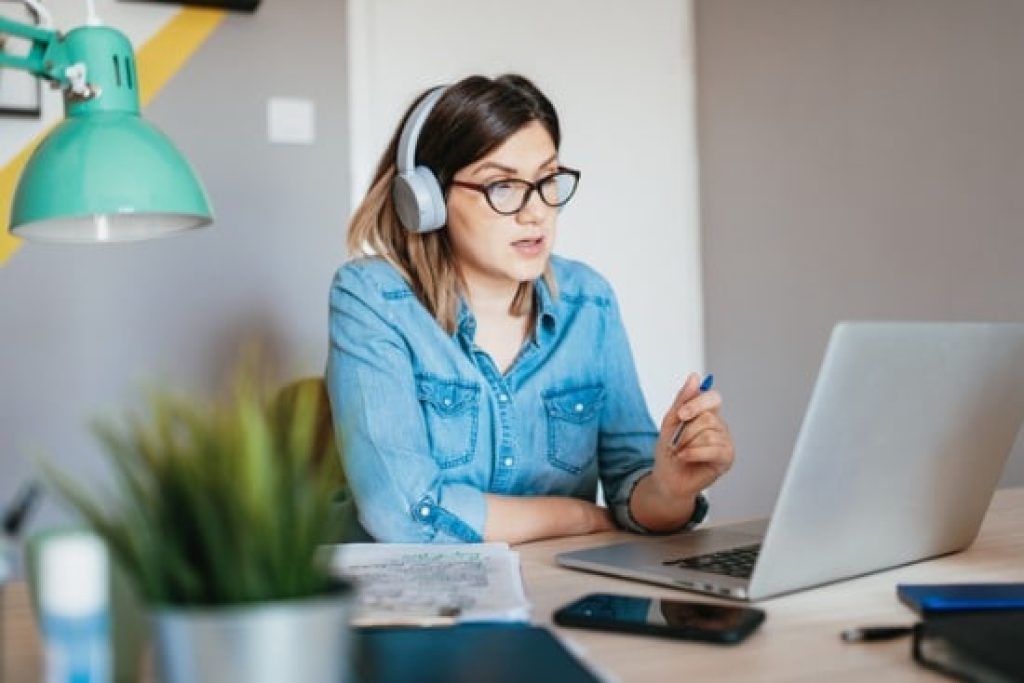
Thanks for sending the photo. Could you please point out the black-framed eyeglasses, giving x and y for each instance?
(509, 196)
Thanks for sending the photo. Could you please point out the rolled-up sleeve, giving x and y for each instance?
(397, 485)
(628, 434)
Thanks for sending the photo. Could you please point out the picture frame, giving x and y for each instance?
(232, 5)
(20, 91)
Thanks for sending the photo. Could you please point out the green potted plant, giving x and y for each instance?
(217, 515)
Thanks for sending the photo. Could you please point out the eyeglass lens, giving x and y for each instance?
(510, 196)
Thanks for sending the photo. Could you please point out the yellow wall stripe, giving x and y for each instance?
(167, 51)
(156, 62)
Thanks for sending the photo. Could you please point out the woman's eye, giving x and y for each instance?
(501, 189)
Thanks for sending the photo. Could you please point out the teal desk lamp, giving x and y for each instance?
(103, 174)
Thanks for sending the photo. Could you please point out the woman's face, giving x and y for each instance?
(493, 251)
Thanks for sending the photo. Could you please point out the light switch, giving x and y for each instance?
(291, 121)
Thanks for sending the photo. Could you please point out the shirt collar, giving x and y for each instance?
(465, 321)
(547, 318)
(547, 313)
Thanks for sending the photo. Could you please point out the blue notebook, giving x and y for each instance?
(961, 597)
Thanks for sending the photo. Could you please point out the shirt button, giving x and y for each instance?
(578, 407)
(508, 462)
(502, 397)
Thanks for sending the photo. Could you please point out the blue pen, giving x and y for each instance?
(708, 382)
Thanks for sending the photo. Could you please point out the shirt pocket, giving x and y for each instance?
(451, 409)
(573, 423)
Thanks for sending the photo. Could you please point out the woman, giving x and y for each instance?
(480, 385)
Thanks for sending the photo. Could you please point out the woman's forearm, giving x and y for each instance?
(518, 519)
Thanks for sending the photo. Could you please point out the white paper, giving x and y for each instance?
(427, 583)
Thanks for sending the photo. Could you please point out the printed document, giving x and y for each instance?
(412, 583)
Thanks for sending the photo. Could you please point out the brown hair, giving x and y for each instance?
(472, 118)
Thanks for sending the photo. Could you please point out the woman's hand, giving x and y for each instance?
(665, 499)
(704, 451)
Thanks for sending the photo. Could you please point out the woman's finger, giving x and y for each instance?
(704, 402)
(690, 388)
(699, 425)
(703, 440)
(719, 458)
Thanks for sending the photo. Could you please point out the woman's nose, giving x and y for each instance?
(534, 209)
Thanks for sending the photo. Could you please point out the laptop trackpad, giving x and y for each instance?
(648, 552)
(706, 541)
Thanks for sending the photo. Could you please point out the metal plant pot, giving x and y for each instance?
(291, 640)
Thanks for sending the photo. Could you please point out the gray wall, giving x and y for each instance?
(859, 159)
(84, 328)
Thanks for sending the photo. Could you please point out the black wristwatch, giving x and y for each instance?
(700, 511)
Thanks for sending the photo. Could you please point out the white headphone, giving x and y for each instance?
(418, 198)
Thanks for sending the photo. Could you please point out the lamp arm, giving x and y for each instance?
(46, 58)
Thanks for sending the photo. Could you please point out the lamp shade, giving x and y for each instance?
(104, 174)
(108, 176)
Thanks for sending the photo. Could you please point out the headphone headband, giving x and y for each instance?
(406, 160)
(417, 196)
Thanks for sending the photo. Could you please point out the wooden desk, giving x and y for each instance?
(798, 642)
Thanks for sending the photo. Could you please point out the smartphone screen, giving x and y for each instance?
(672, 618)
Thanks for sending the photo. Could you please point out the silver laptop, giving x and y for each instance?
(904, 440)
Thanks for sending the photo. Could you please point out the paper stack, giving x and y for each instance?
(426, 584)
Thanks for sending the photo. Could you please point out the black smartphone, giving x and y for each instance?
(681, 619)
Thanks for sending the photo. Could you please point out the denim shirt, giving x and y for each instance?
(428, 424)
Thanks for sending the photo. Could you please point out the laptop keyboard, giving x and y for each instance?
(736, 562)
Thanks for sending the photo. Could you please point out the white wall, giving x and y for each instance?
(85, 331)
(621, 76)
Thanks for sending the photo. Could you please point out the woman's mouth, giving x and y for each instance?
(533, 246)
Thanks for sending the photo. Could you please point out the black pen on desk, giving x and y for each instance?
(870, 634)
(708, 382)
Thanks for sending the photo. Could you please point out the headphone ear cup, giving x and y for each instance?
(437, 215)
(419, 201)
